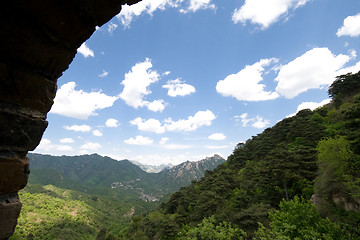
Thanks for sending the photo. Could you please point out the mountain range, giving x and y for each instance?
(96, 174)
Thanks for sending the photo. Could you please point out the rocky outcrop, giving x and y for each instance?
(38, 40)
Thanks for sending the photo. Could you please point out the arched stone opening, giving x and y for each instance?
(38, 41)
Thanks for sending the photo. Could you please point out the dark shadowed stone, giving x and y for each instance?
(22, 133)
(14, 173)
(26, 90)
(10, 207)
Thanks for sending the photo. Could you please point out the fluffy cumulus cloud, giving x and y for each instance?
(310, 105)
(201, 118)
(260, 123)
(139, 140)
(352, 69)
(256, 122)
(146, 6)
(97, 133)
(156, 105)
(246, 84)
(136, 85)
(128, 13)
(351, 26)
(195, 5)
(150, 125)
(91, 146)
(178, 88)
(217, 136)
(79, 104)
(265, 12)
(111, 122)
(85, 51)
(78, 128)
(314, 69)
(47, 146)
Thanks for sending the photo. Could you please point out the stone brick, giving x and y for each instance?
(10, 207)
(20, 132)
(14, 173)
(26, 90)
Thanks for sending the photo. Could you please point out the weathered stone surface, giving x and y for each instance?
(19, 132)
(14, 173)
(25, 89)
(10, 207)
(345, 202)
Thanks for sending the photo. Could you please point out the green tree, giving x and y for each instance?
(209, 230)
(339, 168)
(298, 219)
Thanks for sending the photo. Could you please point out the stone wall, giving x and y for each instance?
(38, 41)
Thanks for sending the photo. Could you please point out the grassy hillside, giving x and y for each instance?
(313, 155)
(50, 212)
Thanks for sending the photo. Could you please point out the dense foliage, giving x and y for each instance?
(314, 154)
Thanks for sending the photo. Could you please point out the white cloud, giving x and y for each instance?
(111, 122)
(201, 118)
(103, 74)
(111, 27)
(139, 140)
(217, 136)
(149, 6)
(164, 140)
(257, 122)
(90, 146)
(196, 5)
(156, 105)
(351, 26)
(136, 85)
(97, 133)
(150, 125)
(66, 140)
(260, 122)
(244, 119)
(309, 105)
(178, 88)
(85, 51)
(352, 69)
(78, 128)
(128, 13)
(48, 147)
(79, 104)
(265, 12)
(245, 85)
(312, 70)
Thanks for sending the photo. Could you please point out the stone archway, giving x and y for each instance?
(38, 41)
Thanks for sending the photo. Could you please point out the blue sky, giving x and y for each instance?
(167, 81)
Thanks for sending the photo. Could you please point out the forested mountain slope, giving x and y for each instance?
(97, 174)
(94, 197)
(314, 154)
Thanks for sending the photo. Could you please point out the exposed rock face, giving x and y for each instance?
(38, 40)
